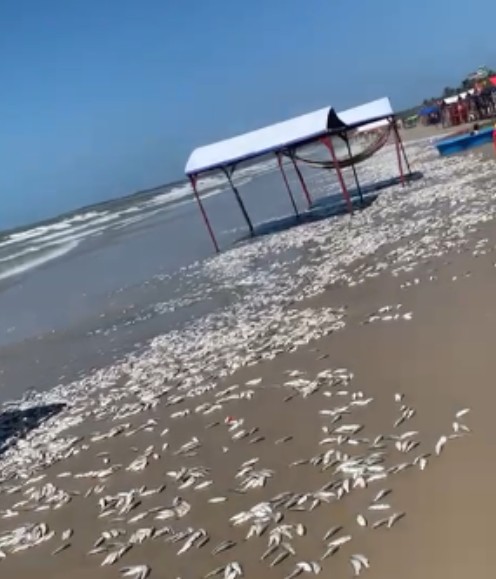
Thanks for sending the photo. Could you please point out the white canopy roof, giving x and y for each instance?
(281, 135)
(453, 99)
(367, 113)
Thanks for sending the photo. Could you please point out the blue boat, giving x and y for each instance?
(461, 143)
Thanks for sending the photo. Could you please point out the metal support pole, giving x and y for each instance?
(239, 200)
(327, 141)
(193, 180)
(285, 178)
(398, 152)
(353, 168)
(302, 181)
(402, 147)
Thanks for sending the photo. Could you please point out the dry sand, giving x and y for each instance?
(442, 361)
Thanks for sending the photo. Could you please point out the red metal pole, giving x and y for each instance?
(302, 182)
(398, 152)
(193, 180)
(290, 193)
(327, 141)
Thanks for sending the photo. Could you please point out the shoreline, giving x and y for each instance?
(132, 321)
(344, 276)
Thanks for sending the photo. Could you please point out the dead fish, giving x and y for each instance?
(334, 546)
(166, 514)
(381, 494)
(192, 540)
(283, 439)
(305, 567)
(138, 517)
(331, 532)
(253, 382)
(399, 467)
(216, 571)
(136, 571)
(289, 548)
(224, 546)
(141, 535)
(203, 485)
(361, 520)
(300, 529)
(379, 507)
(329, 552)
(359, 562)
(203, 541)
(459, 427)
(408, 434)
(349, 429)
(380, 523)
(440, 444)
(114, 556)
(61, 548)
(422, 463)
(233, 570)
(300, 462)
(340, 541)
(279, 558)
(393, 519)
(269, 551)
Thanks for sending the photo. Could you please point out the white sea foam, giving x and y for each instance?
(41, 230)
(18, 254)
(37, 261)
(24, 250)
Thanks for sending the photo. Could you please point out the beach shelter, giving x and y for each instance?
(455, 98)
(428, 110)
(283, 139)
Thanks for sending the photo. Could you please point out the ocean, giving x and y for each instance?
(83, 290)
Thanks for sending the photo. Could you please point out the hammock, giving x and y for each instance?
(363, 155)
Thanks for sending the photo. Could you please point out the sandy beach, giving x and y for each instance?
(336, 422)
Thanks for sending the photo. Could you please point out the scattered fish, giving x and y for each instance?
(440, 444)
(136, 571)
(361, 520)
(358, 563)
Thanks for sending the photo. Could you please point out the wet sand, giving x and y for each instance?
(441, 360)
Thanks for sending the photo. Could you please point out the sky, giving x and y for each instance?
(100, 98)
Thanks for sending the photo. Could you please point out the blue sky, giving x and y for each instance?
(100, 98)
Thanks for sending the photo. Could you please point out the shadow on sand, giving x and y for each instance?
(16, 424)
(331, 206)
